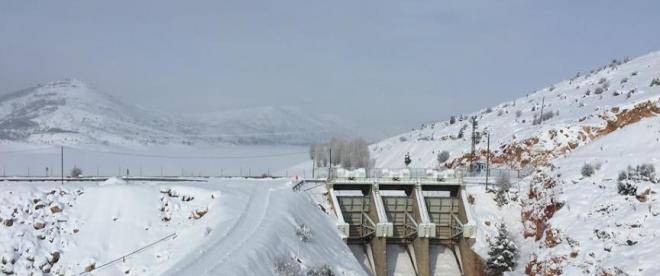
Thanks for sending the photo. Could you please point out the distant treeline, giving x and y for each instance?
(345, 153)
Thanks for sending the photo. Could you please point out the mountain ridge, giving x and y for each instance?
(71, 112)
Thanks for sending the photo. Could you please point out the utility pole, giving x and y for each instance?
(488, 160)
(330, 166)
(474, 140)
(313, 165)
(62, 163)
(542, 105)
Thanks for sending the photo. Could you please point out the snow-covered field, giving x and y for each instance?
(219, 227)
(169, 160)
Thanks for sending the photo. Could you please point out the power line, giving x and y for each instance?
(25, 150)
(192, 156)
(217, 157)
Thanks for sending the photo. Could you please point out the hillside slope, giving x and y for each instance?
(564, 222)
(576, 111)
(214, 227)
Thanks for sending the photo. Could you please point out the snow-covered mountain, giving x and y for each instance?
(268, 125)
(564, 221)
(71, 112)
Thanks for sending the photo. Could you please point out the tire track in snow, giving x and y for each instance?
(207, 258)
(245, 236)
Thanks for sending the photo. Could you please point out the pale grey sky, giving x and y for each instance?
(390, 65)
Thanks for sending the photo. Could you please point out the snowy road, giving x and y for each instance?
(219, 247)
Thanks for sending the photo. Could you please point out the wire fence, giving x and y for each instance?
(123, 258)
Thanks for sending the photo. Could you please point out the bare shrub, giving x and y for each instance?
(443, 156)
(587, 170)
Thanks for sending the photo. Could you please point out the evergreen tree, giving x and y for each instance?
(501, 197)
(503, 253)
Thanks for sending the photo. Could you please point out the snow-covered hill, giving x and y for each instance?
(564, 221)
(71, 112)
(214, 227)
(576, 111)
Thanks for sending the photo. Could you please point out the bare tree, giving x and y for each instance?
(76, 172)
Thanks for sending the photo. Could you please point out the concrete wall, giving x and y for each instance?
(473, 264)
(378, 244)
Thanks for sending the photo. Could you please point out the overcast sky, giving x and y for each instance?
(389, 65)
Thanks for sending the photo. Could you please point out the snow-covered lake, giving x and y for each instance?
(225, 160)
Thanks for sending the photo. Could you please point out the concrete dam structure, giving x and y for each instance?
(409, 224)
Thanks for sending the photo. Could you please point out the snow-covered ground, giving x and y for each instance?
(219, 227)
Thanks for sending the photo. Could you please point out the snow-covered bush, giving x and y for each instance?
(321, 270)
(303, 232)
(587, 170)
(76, 172)
(503, 253)
(501, 198)
(655, 81)
(629, 179)
(518, 113)
(293, 267)
(647, 172)
(627, 187)
(599, 90)
(503, 183)
(443, 156)
(287, 267)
